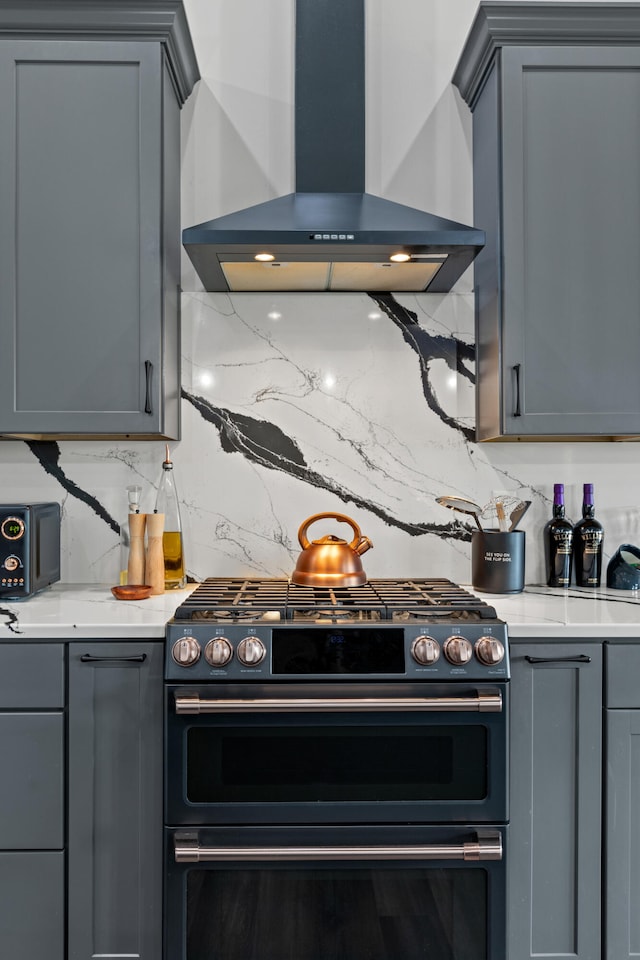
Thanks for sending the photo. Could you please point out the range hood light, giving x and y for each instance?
(400, 257)
(264, 257)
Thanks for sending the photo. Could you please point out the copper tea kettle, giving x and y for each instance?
(330, 561)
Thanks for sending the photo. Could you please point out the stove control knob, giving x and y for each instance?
(251, 651)
(218, 652)
(489, 650)
(458, 650)
(425, 650)
(186, 651)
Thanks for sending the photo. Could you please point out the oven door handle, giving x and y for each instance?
(485, 847)
(483, 701)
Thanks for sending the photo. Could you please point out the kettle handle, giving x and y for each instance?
(340, 517)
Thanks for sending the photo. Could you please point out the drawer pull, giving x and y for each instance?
(580, 658)
(134, 658)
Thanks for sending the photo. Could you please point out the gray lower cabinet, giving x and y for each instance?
(90, 98)
(554, 89)
(32, 801)
(115, 800)
(554, 852)
(622, 802)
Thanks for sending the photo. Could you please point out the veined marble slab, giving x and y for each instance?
(89, 612)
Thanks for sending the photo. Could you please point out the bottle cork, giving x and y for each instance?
(154, 562)
(135, 567)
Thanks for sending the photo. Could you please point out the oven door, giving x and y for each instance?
(336, 893)
(324, 754)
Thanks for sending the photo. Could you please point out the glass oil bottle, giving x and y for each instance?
(172, 539)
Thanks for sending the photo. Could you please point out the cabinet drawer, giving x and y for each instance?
(32, 794)
(31, 676)
(623, 675)
(32, 906)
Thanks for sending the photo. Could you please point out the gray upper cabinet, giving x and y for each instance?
(555, 95)
(90, 98)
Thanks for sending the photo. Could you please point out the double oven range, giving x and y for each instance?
(336, 773)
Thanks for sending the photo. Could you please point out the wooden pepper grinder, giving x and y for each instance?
(154, 564)
(135, 567)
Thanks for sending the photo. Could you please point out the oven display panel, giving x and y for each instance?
(337, 650)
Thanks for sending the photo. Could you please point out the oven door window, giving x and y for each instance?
(303, 761)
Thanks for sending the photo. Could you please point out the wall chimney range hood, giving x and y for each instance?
(330, 235)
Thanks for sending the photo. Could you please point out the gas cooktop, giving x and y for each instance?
(235, 629)
(222, 600)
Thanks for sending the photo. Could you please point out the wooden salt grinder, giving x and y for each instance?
(154, 565)
(135, 567)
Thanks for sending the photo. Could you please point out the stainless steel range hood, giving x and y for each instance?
(330, 235)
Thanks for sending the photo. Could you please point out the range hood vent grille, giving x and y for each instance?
(330, 235)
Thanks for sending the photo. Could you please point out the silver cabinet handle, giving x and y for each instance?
(484, 701)
(488, 847)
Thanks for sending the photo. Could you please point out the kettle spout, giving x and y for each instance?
(363, 545)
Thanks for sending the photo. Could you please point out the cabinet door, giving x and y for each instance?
(622, 865)
(554, 887)
(82, 252)
(557, 190)
(622, 802)
(115, 800)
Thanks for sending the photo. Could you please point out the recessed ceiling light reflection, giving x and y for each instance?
(452, 381)
(205, 379)
(374, 315)
(329, 381)
(274, 315)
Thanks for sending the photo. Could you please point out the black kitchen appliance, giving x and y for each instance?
(336, 763)
(29, 548)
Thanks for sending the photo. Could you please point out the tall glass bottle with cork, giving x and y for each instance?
(172, 539)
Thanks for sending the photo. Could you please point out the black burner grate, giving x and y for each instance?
(238, 599)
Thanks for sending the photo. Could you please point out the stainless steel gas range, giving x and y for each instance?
(336, 762)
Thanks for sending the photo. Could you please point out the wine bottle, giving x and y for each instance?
(172, 540)
(558, 542)
(588, 537)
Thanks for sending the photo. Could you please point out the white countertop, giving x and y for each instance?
(85, 611)
(548, 612)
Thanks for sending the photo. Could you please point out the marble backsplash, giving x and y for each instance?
(301, 404)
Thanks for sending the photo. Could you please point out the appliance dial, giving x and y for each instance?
(12, 528)
(458, 650)
(251, 651)
(218, 652)
(489, 650)
(186, 651)
(11, 563)
(425, 650)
